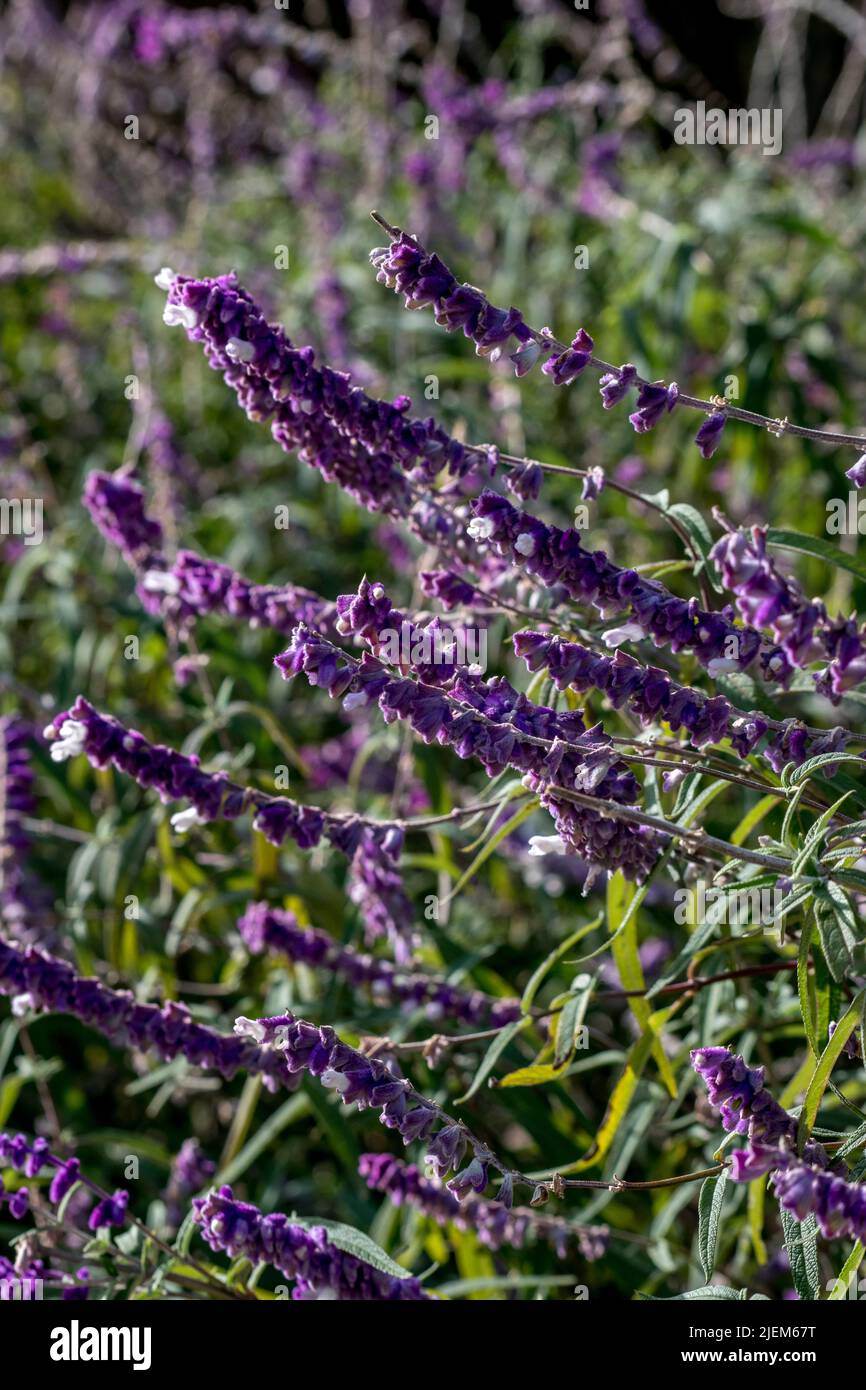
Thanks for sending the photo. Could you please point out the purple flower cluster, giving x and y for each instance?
(373, 850)
(494, 1224)
(423, 279)
(191, 1171)
(803, 629)
(804, 1184)
(31, 1158)
(265, 928)
(470, 720)
(18, 898)
(364, 444)
(556, 556)
(200, 586)
(24, 1281)
(192, 586)
(375, 886)
(118, 508)
(651, 695)
(369, 1083)
(37, 980)
(305, 1254)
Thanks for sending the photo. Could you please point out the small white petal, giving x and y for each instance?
(174, 314)
(546, 844)
(249, 1028)
(22, 1005)
(182, 821)
(525, 544)
(165, 279)
(721, 665)
(334, 1080)
(240, 351)
(629, 632)
(355, 701)
(481, 528)
(161, 582)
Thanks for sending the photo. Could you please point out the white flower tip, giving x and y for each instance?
(182, 821)
(70, 742)
(525, 544)
(629, 632)
(355, 700)
(22, 1005)
(249, 1028)
(480, 528)
(161, 582)
(546, 844)
(174, 314)
(239, 350)
(334, 1080)
(721, 666)
(165, 279)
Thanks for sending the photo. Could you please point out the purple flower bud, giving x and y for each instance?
(709, 434)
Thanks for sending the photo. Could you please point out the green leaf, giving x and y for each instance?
(623, 1093)
(837, 928)
(622, 924)
(825, 1064)
(356, 1243)
(701, 537)
(492, 1055)
(710, 1205)
(537, 977)
(569, 1023)
(801, 1243)
(842, 1286)
(804, 771)
(710, 1291)
(817, 547)
(484, 854)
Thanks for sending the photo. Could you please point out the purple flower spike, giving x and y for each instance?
(302, 1252)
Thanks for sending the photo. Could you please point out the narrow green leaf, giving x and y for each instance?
(710, 1205)
(824, 1066)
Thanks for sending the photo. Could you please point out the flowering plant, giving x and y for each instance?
(429, 822)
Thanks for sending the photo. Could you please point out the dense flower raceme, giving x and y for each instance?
(803, 629)
(473, 723)
(31, 1159)
(17, 894)
(423, 279)
(39, 981)
(372, 1083)
(277, 931)
(191, 586)
(557, 556)
(372, 849)
(318, 1267)
(804, 1184)
(651, 695)
(495, 1224)
(369, 447)
(365, 444)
